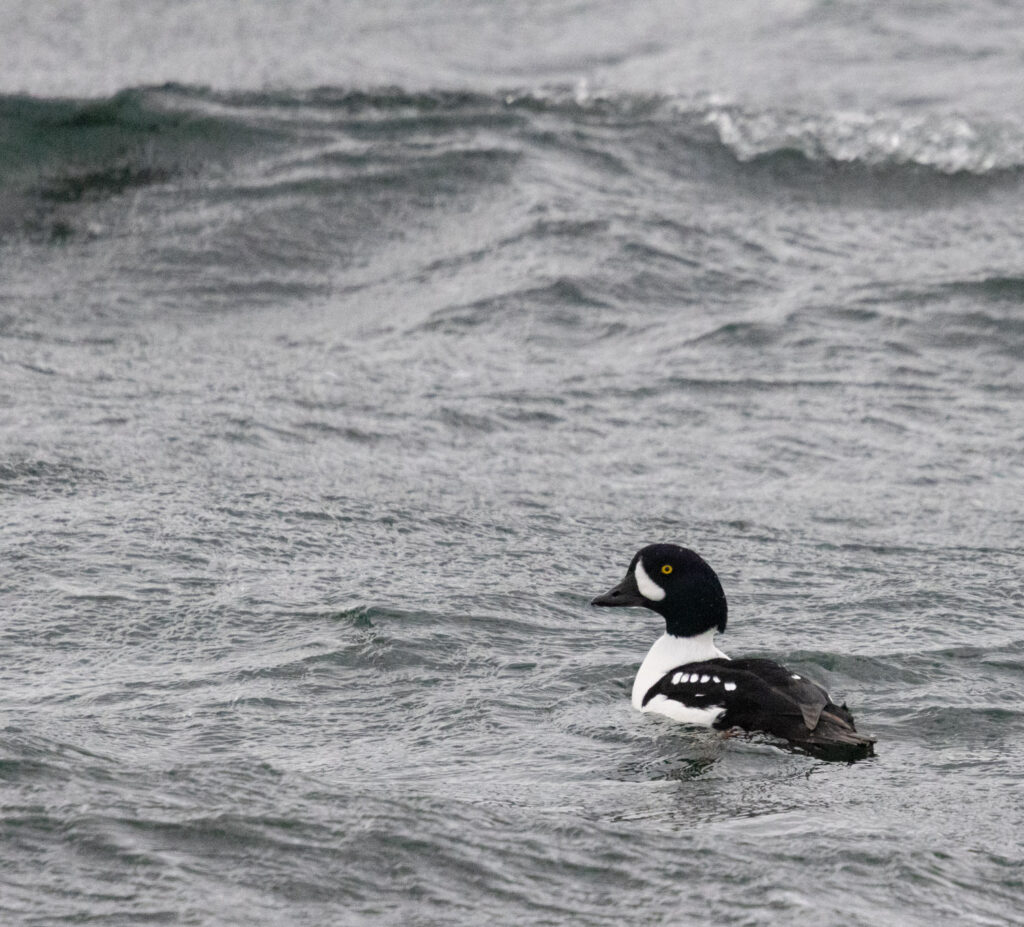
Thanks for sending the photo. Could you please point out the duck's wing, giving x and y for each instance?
(755, 695)
(808, 696)
(761, 695)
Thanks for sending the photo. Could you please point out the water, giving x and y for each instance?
(340, 373)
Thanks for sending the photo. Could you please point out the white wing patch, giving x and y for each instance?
(693, 678)
(649, 589)
(730, 687)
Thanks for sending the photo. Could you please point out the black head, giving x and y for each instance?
(677, 584)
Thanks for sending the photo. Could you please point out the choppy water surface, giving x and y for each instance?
(327, 408)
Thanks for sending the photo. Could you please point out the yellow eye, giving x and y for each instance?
(666, 569)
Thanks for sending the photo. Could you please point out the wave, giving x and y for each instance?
(390, 149)
(44, 134)
(947, 144)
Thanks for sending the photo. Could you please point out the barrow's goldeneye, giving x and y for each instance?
(686, 677)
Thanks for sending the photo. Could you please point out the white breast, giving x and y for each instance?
(667, 653)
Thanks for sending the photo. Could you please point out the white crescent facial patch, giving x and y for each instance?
(649, 589)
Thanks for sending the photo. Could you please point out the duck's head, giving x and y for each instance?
(677, 584)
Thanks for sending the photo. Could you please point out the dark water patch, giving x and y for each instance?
(995, 289)
(572, 229)
(530, 417)
(956, 659)
(378, 641)
(35, 368)
(16, 327)
(248, 431)
(464, 422)
(361, 616)
(945, 725)
(726, 386)
(564, 234)
(879, 186)
(646, 252)
(32, 762)
(99, 598)
(108, 181)
(741, 334)
(561, 304)
(527, 397)
(265, 291)
(85, 131)
(978, 329)
(441, 121)
(430, 174)
(961, 314)
(386, 103)
(59, 154)
(991, 291)
(47, 477)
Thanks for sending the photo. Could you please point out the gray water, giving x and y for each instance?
(346, 353)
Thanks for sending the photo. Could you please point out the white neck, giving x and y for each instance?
(669, 652)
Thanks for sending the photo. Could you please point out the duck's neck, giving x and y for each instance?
(669, 652)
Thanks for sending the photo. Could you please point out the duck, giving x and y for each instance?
(686, 677)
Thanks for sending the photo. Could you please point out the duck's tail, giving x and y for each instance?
(835, 738)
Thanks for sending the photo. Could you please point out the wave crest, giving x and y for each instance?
(948, 144)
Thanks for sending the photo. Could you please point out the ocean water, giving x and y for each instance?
(347, 352)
